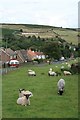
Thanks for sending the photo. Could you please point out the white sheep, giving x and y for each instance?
(69, 65)
(62, 67)
(61, 85)
(51, 73)
(67, 73)
(50, 69)
(24, 100)
(31, 73)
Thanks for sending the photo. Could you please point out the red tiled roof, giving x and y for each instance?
(31, 53)
(39, 53)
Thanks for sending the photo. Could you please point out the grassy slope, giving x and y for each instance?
(46, 31)
(45, 102)
(68, 35)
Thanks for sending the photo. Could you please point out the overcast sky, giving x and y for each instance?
(60, 13)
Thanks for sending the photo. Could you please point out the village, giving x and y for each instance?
(39, 75)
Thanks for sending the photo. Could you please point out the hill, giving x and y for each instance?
(68, 34)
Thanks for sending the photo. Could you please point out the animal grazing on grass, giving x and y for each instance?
(66, 73)
(61, 85)
(69, 66)
(51, 73)
(31, 73)
(62, 68)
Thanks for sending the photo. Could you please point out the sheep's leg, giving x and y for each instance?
(28, 102)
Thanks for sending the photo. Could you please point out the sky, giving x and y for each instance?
(59, 13)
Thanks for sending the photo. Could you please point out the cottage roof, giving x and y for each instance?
(10, 51)
(31, 53)
(39, 53)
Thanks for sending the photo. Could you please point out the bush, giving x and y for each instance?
(75, 68)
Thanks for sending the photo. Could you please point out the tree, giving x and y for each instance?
(21, 30)
(52, 50)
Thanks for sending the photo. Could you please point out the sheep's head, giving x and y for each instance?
(21, 89)
(27, 95)
(61, 92)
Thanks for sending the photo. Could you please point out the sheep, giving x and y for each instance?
(69, 65)
(61, 85)
(62, 68)
(67, 73)
(30, 70)
(22, 92)
(31, 73)
(50, 69)
(24, 100)
(51, 73)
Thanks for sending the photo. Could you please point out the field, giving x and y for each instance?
(68, 34)
(45, 103)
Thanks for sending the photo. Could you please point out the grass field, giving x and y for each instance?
(69, 35)
(45, 103)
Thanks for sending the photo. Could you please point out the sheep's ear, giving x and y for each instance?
(19, 89)
(22, 89)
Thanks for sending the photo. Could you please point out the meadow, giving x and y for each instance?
(70, 35)
(45, 103)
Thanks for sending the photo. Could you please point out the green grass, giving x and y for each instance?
(43, 31)
(68, 35)
(45, 103)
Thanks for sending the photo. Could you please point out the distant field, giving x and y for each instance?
(70, 35)
(45, 103)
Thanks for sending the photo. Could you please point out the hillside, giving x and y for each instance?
(68, 34)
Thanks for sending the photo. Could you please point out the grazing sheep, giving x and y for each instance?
(24, 100)
(50, 69)
(31, 73)
(69, 65)
(62, 68)
(30, 70)
(51, 73)
(61, 85)
(67, 73)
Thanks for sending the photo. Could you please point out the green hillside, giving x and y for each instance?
(68, 34)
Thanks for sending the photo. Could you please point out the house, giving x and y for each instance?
(4, 57)
(34, 55)
(12, 54)
(22, 55)
(8, 54)
(31, 55)
(40, 55)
